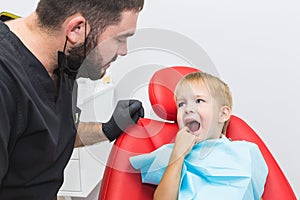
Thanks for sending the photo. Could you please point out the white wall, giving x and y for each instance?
(20, 8)
(255, 47)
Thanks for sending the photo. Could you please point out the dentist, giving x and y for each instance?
(40, 56)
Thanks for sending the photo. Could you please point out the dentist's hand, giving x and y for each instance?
(126, 112)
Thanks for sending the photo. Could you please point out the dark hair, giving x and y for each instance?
(99, 13)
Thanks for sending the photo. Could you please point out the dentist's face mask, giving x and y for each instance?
(84, 60)
(68, 64)
(71, 62)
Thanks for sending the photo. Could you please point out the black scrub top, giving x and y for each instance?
(37, 131)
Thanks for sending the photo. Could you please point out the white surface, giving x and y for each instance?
(72, 183)
(95, 100)
(18, 7)
(83, 175)
(255, 48)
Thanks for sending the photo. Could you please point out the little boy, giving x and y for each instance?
(203, 163)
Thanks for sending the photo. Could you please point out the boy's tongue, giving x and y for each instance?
(193, 126)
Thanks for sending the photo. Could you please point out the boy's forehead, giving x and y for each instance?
(192, 84)
(191, 88)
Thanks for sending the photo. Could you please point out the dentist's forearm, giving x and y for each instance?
(89, 133)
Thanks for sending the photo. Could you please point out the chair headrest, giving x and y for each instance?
(161, 90)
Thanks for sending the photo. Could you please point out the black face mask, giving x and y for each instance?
(77, 64)
(67, 65)
(71, 63)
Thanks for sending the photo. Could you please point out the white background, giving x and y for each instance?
(255, 46)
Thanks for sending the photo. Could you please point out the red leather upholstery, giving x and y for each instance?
(277, 186)
(161, 87)
(121, 181)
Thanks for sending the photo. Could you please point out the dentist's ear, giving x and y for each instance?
(225, 113)
(76, 29)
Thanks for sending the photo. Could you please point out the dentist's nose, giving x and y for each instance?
(122, 51)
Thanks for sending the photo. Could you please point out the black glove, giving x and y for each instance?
(126, 112)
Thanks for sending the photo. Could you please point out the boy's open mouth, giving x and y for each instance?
(193, 125)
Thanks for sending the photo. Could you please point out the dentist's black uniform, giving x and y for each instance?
(37, 130)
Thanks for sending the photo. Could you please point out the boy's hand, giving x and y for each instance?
(183, 143)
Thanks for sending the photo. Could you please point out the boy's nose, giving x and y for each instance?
(190, 108)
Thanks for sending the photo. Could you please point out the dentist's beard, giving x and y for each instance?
(92, 66)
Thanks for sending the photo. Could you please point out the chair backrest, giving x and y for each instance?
(121, 181)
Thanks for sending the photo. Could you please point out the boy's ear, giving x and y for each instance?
(225, 113)
(76, 29)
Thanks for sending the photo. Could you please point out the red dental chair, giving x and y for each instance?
(121, 181)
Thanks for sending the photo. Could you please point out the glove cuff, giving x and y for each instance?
(107, 130)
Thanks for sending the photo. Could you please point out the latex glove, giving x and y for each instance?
(126, 112)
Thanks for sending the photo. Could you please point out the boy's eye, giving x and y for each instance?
(180, 104)
(199, 100)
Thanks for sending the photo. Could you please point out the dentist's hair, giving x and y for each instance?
(99, 13)
(218, 89)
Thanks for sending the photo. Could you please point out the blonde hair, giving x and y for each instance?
(218, 89)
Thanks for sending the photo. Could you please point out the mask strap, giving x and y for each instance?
(84, 46)
(65, 45)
